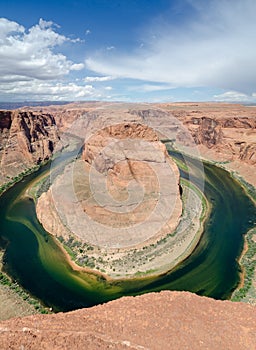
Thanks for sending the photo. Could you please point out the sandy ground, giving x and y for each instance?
(11, 305)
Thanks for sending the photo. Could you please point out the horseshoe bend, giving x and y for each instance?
(127, 175)
(120, 203)
(137, 198)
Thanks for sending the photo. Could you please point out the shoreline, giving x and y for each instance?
(75, 266)
(14, 300)
(244, 184)
(243, 272)
(239, 178)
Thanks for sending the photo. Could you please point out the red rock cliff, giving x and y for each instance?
(26, 139)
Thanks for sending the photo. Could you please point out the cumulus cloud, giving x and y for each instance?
(214, 47)
(32, 54)
(7, 27)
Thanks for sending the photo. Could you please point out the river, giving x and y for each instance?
(33, 259)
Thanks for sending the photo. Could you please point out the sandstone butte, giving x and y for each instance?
(165, 320)
(222, 133)
(113, 158)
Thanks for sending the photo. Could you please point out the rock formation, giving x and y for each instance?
(222, 132)
(26, 139)
(125, 192)
(166, 320)
(130, 169)
(234, 137)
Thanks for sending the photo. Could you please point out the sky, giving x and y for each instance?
(128, 50)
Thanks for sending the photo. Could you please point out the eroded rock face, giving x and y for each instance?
(166, 320)
(130, 171)
(233, 136)
(26, 139)
(221, 131)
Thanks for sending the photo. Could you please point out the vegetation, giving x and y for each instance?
(89, 256)
(14, 286)
(250, 190)
(79, 252)
(17, 178)
(248, 263)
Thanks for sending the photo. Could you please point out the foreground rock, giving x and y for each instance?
(166, 320)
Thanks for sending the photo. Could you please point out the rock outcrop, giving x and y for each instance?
(26, 139)
(222, 131)
(131, 173)
(166, 320)
(234, 137)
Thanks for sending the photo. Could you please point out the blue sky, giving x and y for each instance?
(128, 50)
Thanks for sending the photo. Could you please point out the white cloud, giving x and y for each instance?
(214, 48)
(98, 79)
(42, 90)
(87, 32)
(7, 27)
(77, 66)
(32, 54)
(234, 96)
(151, 87)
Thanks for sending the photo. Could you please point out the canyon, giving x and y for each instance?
(220, 133)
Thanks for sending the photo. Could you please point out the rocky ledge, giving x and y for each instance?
(166, 320)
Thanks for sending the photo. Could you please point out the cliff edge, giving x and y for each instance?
(165, 320)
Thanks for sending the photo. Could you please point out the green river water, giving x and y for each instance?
(33, 259)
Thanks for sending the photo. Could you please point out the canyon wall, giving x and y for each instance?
(221, 132)
(26, 139)
(233, 137)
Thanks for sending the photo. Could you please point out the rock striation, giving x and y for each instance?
(165, 320)
(222, 132)
(26, 139)
(234, 137)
